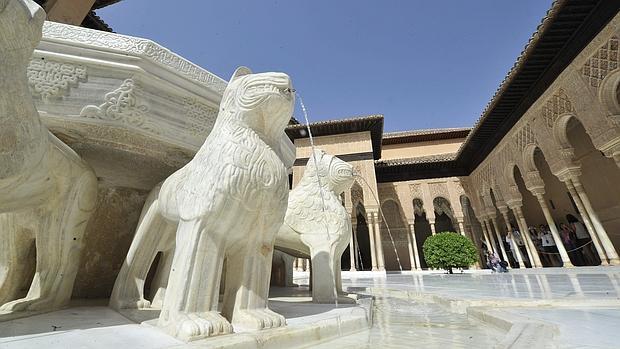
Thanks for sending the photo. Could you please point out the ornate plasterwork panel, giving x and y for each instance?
(555, 106)
(416, 191)
(123, 105)
(200, 118)
(438, 190)
(137, 46)
(51, 79)
(524, 137)
(604, 60)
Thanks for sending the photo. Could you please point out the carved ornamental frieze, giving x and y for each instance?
(524, 137)
(51, 79)
(200, 118)
(555, 106)
(123, 105)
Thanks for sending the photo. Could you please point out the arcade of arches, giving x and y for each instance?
(539, 186)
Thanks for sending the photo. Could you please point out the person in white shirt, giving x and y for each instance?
(549, 247)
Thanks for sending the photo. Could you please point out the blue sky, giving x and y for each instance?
(422, 64)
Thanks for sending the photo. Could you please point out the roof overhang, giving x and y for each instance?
(371, 123)
(568, 27)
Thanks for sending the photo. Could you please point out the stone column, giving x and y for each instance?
(414, 241)
(352, 250)
(296, 264)
(499, 238)
(411, 257)
(489, 236)
(586, 221)
(461, 225)
(371, 238)
(610, 251)
(524, 227)
(378, 242)
(504, 211)
(554, 230)
(432, 224)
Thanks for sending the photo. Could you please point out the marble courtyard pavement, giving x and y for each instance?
(533, 308)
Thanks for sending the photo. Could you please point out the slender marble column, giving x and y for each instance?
(528, 240)
(352, 251)
(610, 251)
(489, 236)
(554, 230)
(371, 238)
(432, 224)
(499, 238)
(418, 266)
(461, 226)
(587, 222)
(410, 248)
(378, 242)
(515, 246)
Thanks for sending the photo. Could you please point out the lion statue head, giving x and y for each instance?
(21, 22)
(264, 102)
(334, 174)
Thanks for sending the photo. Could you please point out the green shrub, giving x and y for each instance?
(449, 250)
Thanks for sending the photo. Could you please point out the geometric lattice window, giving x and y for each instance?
(602, 62)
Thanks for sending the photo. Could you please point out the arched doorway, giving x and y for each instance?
(364, 256)
(399, 250)
(559, 201)
(444, 216)
(600, 177)
(422, 228)
(535, 218)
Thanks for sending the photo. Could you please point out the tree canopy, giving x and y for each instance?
(449, 250)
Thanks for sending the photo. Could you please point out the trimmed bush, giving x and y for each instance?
(449, 250)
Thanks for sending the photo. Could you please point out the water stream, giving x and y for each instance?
(400, 266)
(318, 178)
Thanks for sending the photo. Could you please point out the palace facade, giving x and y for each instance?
(544, 153)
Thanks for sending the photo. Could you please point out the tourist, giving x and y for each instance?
(516, 234)
(550, 251)
(497, 265)
(569, 240)
(512, 247)
(583, 240)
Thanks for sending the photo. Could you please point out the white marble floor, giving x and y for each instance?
(582, 303)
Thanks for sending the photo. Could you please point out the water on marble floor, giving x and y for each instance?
(402, 323)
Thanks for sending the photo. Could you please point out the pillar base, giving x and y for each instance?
(615, 261)
(374, 269)
(352, 269)
(568, 265)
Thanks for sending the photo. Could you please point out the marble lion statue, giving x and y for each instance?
(317, 224)
(226, 204)
(47, 193)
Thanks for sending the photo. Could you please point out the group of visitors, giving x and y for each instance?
(574, 236)
(495, 263)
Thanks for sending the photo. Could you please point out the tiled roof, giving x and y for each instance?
(416, 160)
(568, 27)
(429, 131)
(371, 123)
(424, 135)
